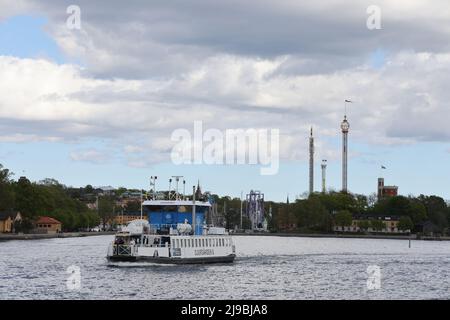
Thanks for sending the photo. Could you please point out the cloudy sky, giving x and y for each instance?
(98, 104)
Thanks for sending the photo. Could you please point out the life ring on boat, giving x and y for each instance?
(155, 254)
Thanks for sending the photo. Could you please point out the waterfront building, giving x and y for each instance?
(386, 191)
(47, 225)
(126, 217)
(7, 220)
(390, 225)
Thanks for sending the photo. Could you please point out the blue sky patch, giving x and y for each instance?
(25, 37)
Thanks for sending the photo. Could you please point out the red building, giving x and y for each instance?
(386, 191)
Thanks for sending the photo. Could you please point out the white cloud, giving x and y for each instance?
(41, 100)
(149, 68)
(89, 155)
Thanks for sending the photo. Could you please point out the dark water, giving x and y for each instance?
(266, 268)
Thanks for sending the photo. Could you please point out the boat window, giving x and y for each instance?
(203, 242)
(223, 244)
(196, 242)
(209, 242)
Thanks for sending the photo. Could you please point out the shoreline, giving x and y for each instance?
(36, 236)
(40, 236)
(348, 236)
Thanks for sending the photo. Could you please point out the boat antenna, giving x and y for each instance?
(193, 208)
(170, 183)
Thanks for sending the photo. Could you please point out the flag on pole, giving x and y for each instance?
(383, 167)
(347, 100)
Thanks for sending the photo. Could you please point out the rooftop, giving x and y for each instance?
(47, 220)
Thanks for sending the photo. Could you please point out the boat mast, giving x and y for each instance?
(193, 208)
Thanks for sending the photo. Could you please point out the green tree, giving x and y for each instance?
(363, 225)
(343, 218)
(27, 199)
(312, 215)
(106, 209)
(377, 225)
(436, 210)
(23, 226)
(133, 206)
(7, 196)
(401, 206)
(405, 223)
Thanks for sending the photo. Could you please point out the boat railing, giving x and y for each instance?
(124, 250)
(154, 245)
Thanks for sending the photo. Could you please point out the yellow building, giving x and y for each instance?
(47, 225)
(5, 223)
(123, 219)
(390, 225)
(7, 220)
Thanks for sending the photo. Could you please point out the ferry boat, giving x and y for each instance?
(174, 232)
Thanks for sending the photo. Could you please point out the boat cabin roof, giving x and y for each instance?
(174, 203)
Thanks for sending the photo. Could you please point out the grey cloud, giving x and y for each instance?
(246, 64)
(144, 39)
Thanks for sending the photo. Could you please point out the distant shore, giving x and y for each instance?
(38, 236)
(6, 236)
(339, 235)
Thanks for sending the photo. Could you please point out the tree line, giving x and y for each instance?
(319, 212)
(44, 198)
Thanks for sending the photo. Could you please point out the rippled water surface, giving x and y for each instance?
(266, 268)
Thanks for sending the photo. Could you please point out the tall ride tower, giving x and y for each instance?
(344, 127)
(311, 162)
(324, 169)
(255, 209)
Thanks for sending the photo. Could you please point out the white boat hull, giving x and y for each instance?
(177, 250)
(172, 260)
